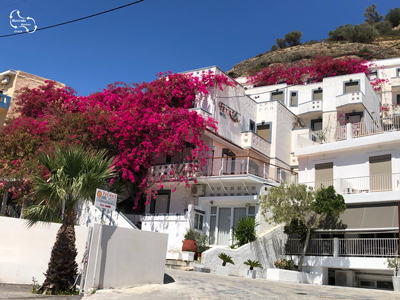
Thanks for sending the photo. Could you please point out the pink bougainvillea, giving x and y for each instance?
(135, 123)
(309, 71)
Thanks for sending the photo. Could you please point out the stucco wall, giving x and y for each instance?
(126, 257)
(265, 249)
(25, 253)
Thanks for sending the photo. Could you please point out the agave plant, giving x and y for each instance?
(226, 259)
(253, 264)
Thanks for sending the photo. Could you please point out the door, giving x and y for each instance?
(229, 159)
(160, 205)
(238, 213)
(380, 171)
(224, 226)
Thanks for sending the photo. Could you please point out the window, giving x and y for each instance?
(277, 96)
(264, 131)
(168, 159)
(198, 221)
(323, 175)
(398, 99)
(380, 169)
(252, 126)
(354, 117)
(293, 99)
(316, 124)
(351, 87)
(160, 205)
(398, 72)
(317, 95)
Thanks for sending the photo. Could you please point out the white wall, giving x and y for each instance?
(25, 253)
(126, 258)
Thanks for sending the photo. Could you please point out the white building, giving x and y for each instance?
(329, 133)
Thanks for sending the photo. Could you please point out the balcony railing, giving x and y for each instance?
(360, 185)
(224, 166)
(316, 247)
(369, 247)
(350, 98)
(358, 247)
(349, 131)
(251, 139)
(310, 106)
(395, 81)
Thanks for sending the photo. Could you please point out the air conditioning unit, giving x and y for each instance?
(345, 278)
(5, 80)
(197, 190)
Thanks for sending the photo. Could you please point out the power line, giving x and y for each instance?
(76, 20)
(324, 76)
(12, 4)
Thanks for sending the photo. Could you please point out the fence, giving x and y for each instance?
(369, 247)
(316, 247)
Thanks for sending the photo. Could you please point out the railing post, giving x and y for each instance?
(338, 185)
(349, 131)
(335, 247)
(247, 167)
(264, 171)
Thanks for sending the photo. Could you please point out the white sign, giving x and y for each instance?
(17, 22)
(105, 200)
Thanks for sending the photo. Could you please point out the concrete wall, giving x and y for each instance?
(266, 249)
(126, 258)
(25, 253)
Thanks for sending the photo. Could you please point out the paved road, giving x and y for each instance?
(22, 291)
(181, 285)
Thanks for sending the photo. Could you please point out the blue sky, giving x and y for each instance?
(135, 43)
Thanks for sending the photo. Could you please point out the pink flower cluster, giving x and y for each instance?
(135, 123)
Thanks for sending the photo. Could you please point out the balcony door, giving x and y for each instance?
(229, 161)
(380, 171)
(160, 205)
(323, 175)
(224, 226)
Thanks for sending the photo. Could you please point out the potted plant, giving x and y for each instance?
(189, 242)
(224, 270)
(202, 243)
(394, 263)
(250, 273)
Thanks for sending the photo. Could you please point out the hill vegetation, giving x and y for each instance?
(377, 33)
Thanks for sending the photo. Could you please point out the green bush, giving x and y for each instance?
(293, 38)
(201, 241)
(190, 235)
(274, 47)
(393, 16)
(281, 43)
(244, 231)
(311, 42)
(384, 28)
(363, 33)
(342, 33)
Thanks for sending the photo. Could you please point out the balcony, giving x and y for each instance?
(253, 140)
(235, 166)
(311, 107)
(395, 81)
(355, 98)
(349, 131)
(361, 185)
(358, 247)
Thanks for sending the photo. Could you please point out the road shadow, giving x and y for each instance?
(168, 279)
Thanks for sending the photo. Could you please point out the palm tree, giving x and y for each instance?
(75, 173)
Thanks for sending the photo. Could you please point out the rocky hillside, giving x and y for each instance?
(292, 54)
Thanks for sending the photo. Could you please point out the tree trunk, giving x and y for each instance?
(300, 266)
(62, 268)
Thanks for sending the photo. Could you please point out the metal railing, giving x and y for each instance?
(357, 130)
(224, 166)
(371, 184)
(316, 247)
(319, 184)
(369, 247)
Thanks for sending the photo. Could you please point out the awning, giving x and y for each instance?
(368, 218)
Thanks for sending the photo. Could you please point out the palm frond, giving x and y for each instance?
(39, 213)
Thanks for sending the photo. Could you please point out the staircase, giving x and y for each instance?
(179, 265)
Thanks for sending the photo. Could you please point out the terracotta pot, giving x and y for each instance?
(189, 245)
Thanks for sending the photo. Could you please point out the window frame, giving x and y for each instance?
(352, 81)
(313, 93)
(153, 203)
(290, 98)
(254, 126)
(270, 130)
(283, 96)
